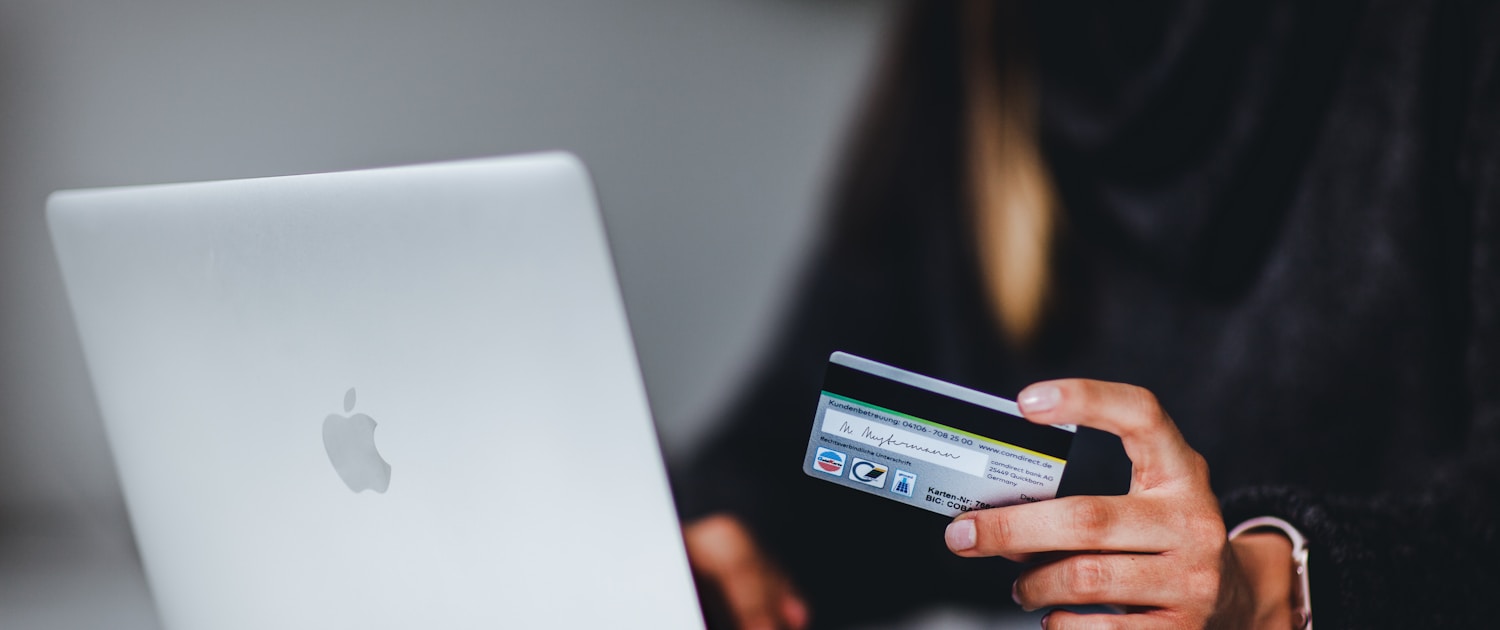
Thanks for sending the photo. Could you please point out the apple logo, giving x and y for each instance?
(350, 442)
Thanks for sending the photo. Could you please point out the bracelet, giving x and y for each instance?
(1299, 560)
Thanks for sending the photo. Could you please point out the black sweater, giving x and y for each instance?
(1281, 217)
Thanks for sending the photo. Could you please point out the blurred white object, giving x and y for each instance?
(245, 337)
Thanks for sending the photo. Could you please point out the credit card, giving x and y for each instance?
(929, 443)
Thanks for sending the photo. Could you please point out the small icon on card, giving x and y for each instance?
(904, 482)
(867, 472)
(829, 461)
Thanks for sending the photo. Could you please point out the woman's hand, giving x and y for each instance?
(1158, 552)
(722, 552)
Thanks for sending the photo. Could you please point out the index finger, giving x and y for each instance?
(1155, 446)
(1078, 523)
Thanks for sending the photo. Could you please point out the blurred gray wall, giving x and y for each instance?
(710, 126)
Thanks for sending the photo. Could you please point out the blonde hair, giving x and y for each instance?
(1010, 193)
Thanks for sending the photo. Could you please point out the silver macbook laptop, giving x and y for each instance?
(394, 398)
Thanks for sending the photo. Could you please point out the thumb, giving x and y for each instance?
(1157, 450)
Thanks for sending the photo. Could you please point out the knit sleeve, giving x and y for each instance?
(1427, 559)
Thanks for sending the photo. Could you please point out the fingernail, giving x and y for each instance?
(961, 535)
(1044, 620)
(1039, 398)
(1014, 595)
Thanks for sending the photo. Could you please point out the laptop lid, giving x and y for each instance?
(392, 398)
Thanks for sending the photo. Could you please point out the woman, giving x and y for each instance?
(1280, 218)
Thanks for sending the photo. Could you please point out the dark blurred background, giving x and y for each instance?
(711, 127)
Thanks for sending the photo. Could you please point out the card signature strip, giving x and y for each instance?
(944, 427)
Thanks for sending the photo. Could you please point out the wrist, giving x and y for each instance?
(1266, 563)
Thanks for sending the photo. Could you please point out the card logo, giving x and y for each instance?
(903, 482)
(829, 461)
(867, 472)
